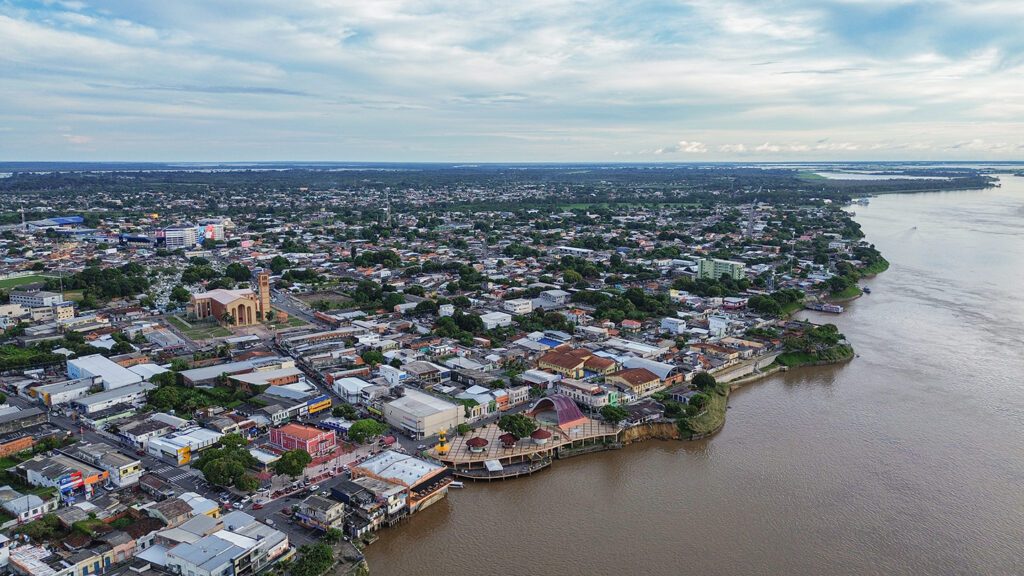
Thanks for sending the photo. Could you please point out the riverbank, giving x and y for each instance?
(835, 355)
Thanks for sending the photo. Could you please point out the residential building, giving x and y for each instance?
(714, 268)
(641, 381)
(518, 306)
(589, 394)
(69, 476)
(180, 237)
(25, 507)
(320, 513)
(494, 320)
(122, 470)
(674, 326)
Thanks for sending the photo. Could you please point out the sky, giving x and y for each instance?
(526, 80)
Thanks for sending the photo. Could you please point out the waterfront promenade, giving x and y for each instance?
(461, 459)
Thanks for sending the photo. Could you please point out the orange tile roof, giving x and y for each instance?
(301, 432)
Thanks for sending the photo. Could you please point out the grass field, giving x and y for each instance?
(292, 322)
(15, 282)
(73, 295)
(198, 331)
(876, 268)
(714, 413)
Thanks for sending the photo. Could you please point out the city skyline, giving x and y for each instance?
(692, 81)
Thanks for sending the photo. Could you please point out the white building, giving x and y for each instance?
(111, 373)
(518, 306)
(494, 320)
(552, 299)
(63, 392)
(131, 394)
(446, 310)
(179, 447)
(673, 325)
(351, 389)
(393, 376)
(35, 298)
(419, 414)
(718, 325)
(181, 237)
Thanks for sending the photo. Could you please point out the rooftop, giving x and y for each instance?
(402, 468)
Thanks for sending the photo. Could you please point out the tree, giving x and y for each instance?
(292, 463)
(333, 535)
(425, 307)
(122, 348)
(704, 381)
(227, 463)
(365, 429)
(614, 414)
(572, 277)
(346, 411)
(699, 401)
(518, 425)
(180, 294)
(247, 483)
(462, 429)
(278, 264)
(373, 357)
(315, 560)
(237, 272)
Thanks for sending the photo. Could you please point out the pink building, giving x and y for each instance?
(314, 441)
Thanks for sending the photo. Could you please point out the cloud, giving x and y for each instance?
(77, 139)
(683, 146)
(536, 80)
(732, 148)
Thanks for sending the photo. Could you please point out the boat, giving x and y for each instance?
(866, 290)
(830, 308)
(455, 484)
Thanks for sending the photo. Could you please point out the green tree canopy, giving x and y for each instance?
(518, 425)
(614, 414)
(704, 381)
(345, 410)
(365, 429)
(292, 463)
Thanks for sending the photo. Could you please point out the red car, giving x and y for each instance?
(257, 506)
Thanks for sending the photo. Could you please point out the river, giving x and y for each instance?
(907, 460)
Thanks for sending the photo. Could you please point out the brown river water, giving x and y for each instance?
(907, 460)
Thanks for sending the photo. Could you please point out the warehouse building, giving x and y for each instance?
(419, 415)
